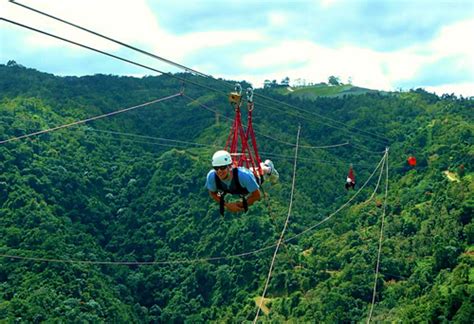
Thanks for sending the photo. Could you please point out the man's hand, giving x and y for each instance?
(235, 207)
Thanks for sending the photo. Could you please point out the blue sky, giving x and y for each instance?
(382, 44)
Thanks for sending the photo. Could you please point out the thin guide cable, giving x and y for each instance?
(377, 267)
(280, 240)
(89, 119)
(189, 261)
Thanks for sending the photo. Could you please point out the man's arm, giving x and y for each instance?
(254, 196)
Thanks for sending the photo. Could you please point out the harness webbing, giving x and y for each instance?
(246, 157)
(351, 174)
(235, 188)
(251, 134)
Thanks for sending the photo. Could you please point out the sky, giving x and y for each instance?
(379, 44)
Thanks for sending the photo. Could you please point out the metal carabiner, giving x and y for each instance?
(238, 89)
(249, 94)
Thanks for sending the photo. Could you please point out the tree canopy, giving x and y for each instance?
(130, 187)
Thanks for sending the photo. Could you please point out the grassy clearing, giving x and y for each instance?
(451, 176)
(264, 307)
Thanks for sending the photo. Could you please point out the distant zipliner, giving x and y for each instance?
(350, 180)
(229, 175)
(411, 160)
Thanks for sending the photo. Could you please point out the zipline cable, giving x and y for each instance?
(284, 227)
(112, 55)
(378, 184)
(240, 255)
(185, 68)
(90, 119)
(379, 252)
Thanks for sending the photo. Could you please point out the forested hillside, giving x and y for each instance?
(109, 220)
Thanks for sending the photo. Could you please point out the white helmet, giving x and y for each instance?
(221, 158)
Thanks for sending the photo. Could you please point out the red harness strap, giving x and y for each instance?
(351, 174)
(237, 133)
(250, 134)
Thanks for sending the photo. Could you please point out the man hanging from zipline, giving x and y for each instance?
(229, 176)
(227, 179)
(350, 180)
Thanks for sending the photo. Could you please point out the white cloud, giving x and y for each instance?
(403, 64)
(365, 67)
(135, 23)
(327, 3)
(452, 43)
(131, 22)
(277, 19)
(284, 53)
(455, 39)
(128, 21)
(176, 48)
(464, 89)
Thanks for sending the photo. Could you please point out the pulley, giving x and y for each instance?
(236, 96)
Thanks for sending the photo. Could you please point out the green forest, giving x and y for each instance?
(109, 221)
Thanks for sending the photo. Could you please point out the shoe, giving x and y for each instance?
(274, 175)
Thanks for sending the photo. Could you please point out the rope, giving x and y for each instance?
(274, 221)
(89, 119)
(377, 267)
(378, 183)
(243, 254)
(284, 228)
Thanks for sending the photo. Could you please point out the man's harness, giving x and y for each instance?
(234, 189)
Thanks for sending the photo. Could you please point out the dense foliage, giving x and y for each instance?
(130, 187)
